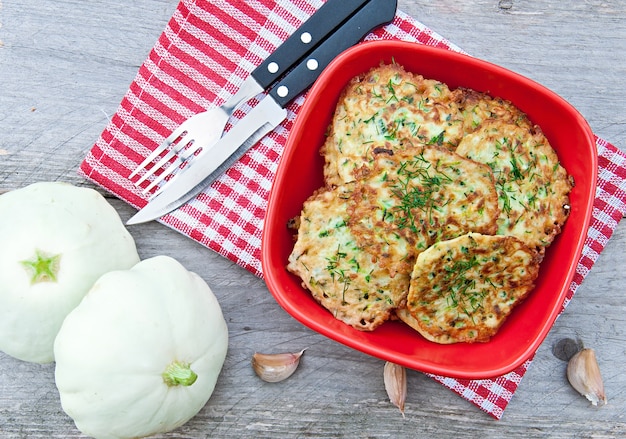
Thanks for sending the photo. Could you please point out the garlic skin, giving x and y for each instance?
(395, 384)
(583, 373)
(274, 368)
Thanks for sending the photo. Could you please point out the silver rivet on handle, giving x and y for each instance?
(282, 91)
(272, 67)
(306, 37)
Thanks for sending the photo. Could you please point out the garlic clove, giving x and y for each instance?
(395, 384)
(275, 367)
(583, 373)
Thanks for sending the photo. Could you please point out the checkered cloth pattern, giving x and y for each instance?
(205, 52)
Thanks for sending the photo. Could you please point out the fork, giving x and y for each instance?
(204, 129)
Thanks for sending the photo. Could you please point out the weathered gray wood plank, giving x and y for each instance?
(64, 67)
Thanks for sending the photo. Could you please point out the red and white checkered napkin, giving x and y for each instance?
(206, 50)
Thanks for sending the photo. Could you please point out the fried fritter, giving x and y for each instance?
(532, 186)
(340, 275)
(390, 108)
(462, 290)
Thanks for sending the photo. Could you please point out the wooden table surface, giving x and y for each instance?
(64, 67)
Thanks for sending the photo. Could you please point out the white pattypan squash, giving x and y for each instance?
(142, 352)
(56, 240)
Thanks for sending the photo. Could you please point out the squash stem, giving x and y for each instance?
(178, 373)
(43, 267)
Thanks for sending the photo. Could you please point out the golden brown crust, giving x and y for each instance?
(390, 108)
(477, 108)
(532, 186)
(415, 197)
(340, 275)
(462, 290)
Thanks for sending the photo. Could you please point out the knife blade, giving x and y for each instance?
(266, 115)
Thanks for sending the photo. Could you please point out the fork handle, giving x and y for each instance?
(374, 14)
(308, 36)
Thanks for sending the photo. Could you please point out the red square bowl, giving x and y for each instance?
(300, 173)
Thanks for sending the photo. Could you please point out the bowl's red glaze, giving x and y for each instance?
(300, 173)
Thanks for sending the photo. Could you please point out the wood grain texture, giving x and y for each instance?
(64, 67)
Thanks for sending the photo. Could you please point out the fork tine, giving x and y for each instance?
(179, 147)
(154, 154)
(162, 187)
(166, 158)
(175, 148)
(159, 149)
(178, 161)
(174, 167)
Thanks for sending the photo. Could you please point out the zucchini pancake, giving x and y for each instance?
(392, 108)
(463, 289)
(417, 196)
(340, 275)
(436, 208)
(532, 186)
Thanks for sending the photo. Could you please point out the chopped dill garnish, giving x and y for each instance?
(418, 180)
(462, 293)
(337, 273)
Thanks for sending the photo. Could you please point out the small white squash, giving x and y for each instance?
(142, 352)
(56, 240)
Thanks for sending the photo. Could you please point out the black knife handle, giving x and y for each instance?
(373, 14)
(313, 31)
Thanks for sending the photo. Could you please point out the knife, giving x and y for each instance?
(265, 116)
(312, 32)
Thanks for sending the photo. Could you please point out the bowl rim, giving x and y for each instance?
(273, 282)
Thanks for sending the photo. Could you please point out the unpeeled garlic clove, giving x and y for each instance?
(583, 373)
(395, 384)
(275, 367)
